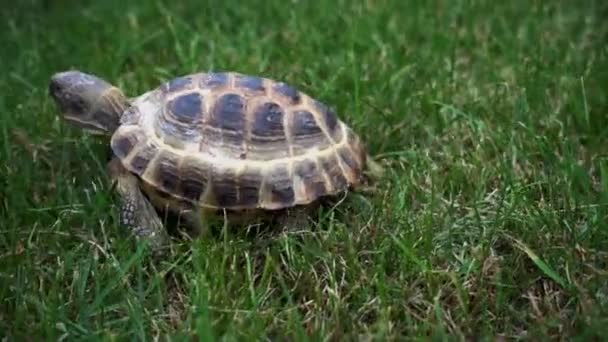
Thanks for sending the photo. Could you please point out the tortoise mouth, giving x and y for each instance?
(90, 127)
(54, 88)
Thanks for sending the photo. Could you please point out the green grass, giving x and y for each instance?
(491, 119)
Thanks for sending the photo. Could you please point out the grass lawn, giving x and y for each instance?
(491, 221)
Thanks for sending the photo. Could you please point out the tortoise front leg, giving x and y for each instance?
(136, 212)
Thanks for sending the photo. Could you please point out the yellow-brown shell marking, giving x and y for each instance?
(227, 140)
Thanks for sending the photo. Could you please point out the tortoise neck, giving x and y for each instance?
(109, 108)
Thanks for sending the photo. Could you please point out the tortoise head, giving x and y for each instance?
(88, 101)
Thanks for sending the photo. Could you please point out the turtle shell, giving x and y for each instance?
(228, 140)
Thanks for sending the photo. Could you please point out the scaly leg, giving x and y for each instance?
(372, 174)
(197, 220)
(136, 212)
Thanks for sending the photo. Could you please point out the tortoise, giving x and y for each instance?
(210, 141)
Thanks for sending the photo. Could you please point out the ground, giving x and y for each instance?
(491, 221)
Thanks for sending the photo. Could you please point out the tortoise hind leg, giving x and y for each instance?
(197, 221)
(373, 169)
(372, 173)
(137, 213)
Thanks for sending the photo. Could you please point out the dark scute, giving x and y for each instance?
(214, 80)
(140, 161)
(192, 188)
(224, 187)
(193, 179)
(333, 170)
(187, 108)
(229, 113)
(225, 191)
(250, 182)
(249, 196)
(168, 174)
(282, 193)
(305, 124)
(347, 157)
(311, 176)
(178, 83)
(249, 82)
(268, 120)
(305, 168)
(123, 146)
(328, 115)
(281, 186)
(292, 94)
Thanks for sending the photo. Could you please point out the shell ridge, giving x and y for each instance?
(329, 186)
(337, 154)
(239, 182)
(262, 197)
(288, 131)
(249, 117)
